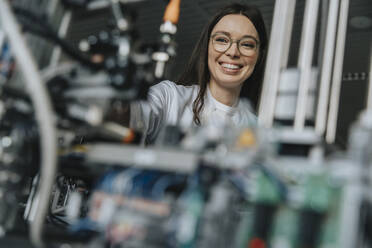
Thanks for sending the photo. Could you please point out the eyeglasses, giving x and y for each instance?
(247, 46)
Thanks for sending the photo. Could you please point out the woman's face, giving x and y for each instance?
(230, 69)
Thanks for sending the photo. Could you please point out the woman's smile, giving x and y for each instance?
(230, 68)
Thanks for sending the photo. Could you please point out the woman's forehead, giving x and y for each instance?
(236, 25)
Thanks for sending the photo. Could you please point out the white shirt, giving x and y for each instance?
(171, 104)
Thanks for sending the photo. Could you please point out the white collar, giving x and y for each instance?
(218, 105)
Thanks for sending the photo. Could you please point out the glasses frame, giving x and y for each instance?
(232, 41)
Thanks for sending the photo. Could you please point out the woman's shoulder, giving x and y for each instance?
(171, 88)
(170, 85)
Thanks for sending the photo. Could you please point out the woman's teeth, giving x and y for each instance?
(230, 66)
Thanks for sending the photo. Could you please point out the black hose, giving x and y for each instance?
(44, 30)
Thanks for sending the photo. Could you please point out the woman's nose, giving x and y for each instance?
(233, 50)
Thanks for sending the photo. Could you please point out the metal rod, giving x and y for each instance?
(277, 58)
(43, 113)
(326, 70)
(337, 72)
(65, 23)
(305, 61)
(369, 96)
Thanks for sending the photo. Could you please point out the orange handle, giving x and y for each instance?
(172, 12)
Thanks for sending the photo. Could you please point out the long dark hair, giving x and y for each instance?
(197, 69)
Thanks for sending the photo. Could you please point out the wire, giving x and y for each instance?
(76, 4)
(270, 174)
(238, 184)
(160, 186)
(45, 31)
(104, 183)
(274, 178)
(123, 182)
(58, 221)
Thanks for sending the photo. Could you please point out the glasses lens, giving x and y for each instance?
(221, 42)
(247, 46)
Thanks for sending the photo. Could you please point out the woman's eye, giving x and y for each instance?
(248, 45)
(222, 39)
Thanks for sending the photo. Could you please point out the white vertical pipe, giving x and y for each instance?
(43, 113)
(272, 63)
(337, 72)
(326, 70)
(352, 198)
(276, 59)
(369, 96)
(305, 61)
(287, 36)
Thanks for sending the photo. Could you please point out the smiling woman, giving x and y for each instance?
(231, 63)
(226, 64)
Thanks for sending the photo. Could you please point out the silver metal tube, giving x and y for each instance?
(44, 116)
(65, 23)
(305, 61)
(326, 70)
(276, 59)
(369, 96)
(150, 158)
(337, 72)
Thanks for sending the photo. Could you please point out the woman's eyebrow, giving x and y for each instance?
(222, 32)
(228, 34)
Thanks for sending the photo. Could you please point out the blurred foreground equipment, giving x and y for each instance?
(73, 173)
